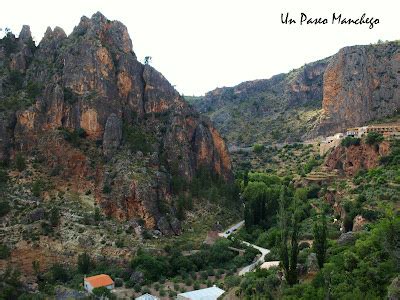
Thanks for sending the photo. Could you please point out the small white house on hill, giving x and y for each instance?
(98, 281)
(211, 293)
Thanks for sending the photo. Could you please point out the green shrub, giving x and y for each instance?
(16, 80)
(257, 148)
(10, 43)
(20, 163)
(84, 263)
(4, 251)
(4, 208)
(106, 189)
(54, 217)
(3, 176)
(232, 281)
(37, 187)
(103, 293)
(33, 90)
(69, 96)
(374, 138)
(74, 137)
(59, 273)
(350, 141)
(188, 282)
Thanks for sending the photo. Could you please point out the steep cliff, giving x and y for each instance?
(361, 83)
(351, 88)
(89, 109)
(282, 108)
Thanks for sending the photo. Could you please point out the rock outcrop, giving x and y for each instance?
(85, 97)
(277, 109)
(361, 83)
(349, 160)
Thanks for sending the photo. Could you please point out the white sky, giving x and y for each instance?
(203, 44)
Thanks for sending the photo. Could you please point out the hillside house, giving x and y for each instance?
(98, 281)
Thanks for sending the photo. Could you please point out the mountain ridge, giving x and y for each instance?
(304, 103)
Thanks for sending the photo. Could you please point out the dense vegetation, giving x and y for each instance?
(363, 267)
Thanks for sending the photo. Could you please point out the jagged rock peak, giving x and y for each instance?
(113, 33)
(25, 34)
(58, 33)
(99, 17)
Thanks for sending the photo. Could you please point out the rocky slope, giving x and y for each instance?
(357, 85)
(281, 108)
(101, 121)
(349, 160)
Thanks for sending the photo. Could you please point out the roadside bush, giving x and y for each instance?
(257, 148)
(232, 281)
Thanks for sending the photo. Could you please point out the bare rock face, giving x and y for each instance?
(347, 238)
(358, 84)
(250, 111)
(350, 160)
(361, 83)
(90, 83)
(358, 223)
(112, 135)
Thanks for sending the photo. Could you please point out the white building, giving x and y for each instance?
(147, 297)
(211, 293)
(98, 281)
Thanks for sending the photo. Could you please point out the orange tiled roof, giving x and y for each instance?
(99, 280)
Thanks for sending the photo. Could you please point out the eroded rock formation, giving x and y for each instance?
(85, 97)
(349, 160)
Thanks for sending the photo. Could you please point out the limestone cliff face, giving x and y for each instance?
(92, 80)
(358, 84)
(354, 158)
(282, 108)
(361, 83)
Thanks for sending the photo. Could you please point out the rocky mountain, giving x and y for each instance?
(358, 84)
(102, 122)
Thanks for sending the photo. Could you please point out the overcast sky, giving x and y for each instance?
(204, 44)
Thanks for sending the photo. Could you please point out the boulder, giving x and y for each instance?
(394, 289)
(312, 263)
(347, 238)
(358, 223)
(137, 277)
